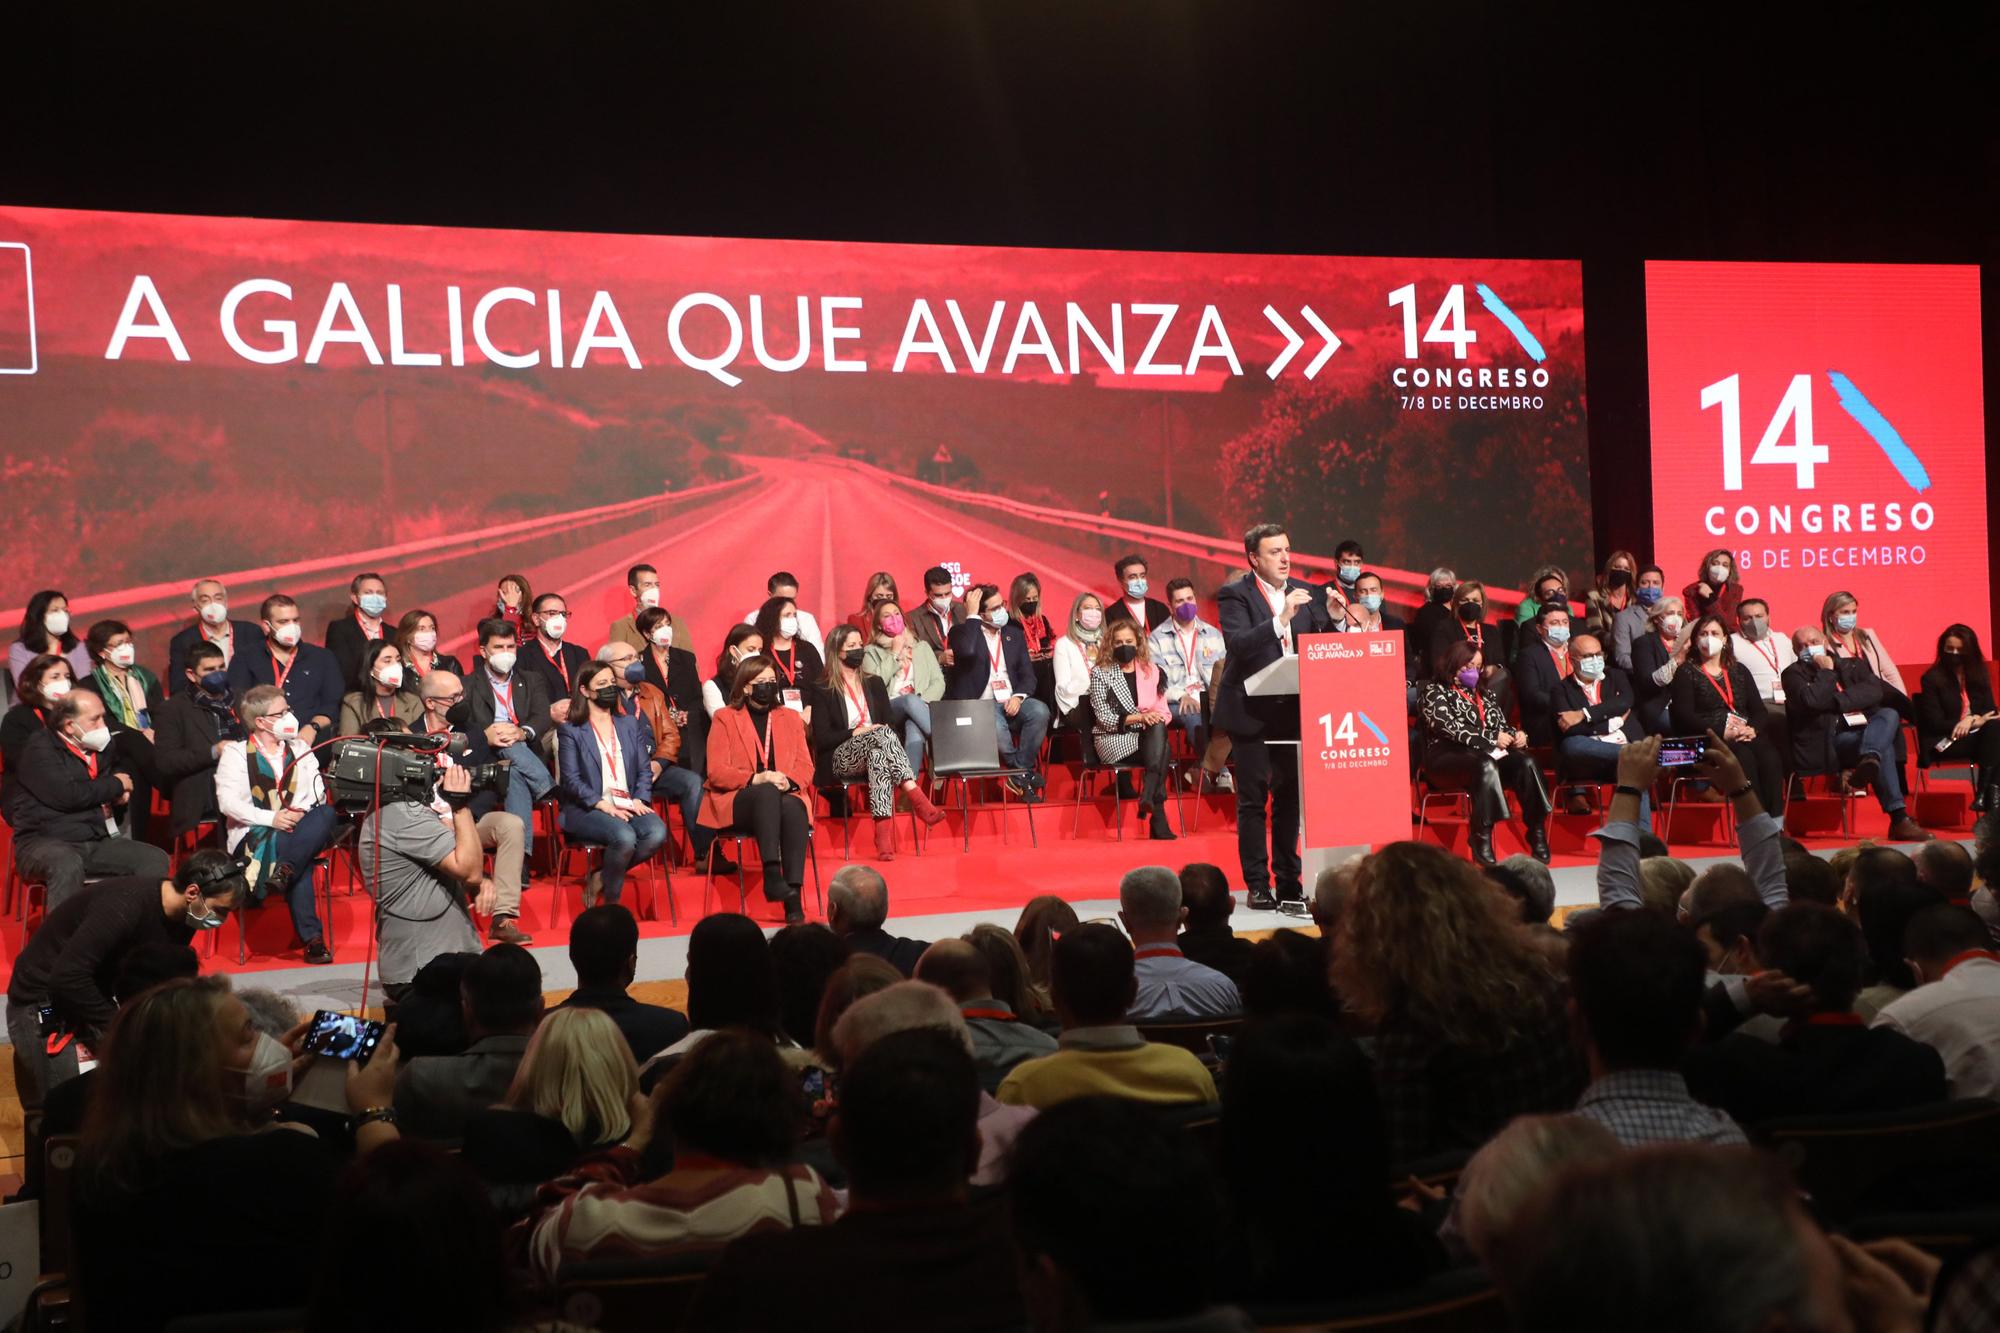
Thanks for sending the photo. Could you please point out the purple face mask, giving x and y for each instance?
(1469, 677)
(1186, 612)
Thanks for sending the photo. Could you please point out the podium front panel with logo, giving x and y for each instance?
(1354, 762)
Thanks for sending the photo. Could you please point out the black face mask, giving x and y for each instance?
(1125, 654)
(1470, 612)
(1619, 578)
(764, 694)
(851, 658)
(607, 698)
(1029, 608)
(1441, 595)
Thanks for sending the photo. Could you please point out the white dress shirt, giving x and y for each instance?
(1766, 661)
(1958, 1016)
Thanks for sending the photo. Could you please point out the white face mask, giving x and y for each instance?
(391, 675)
(1711, 645)
(1718, 573)
(1671, 624)
(663, 636)
(788, 626)
(942, 603)
(56, 623)
(285, 725)
(214, 613)
(287, 635)
(501, 662)
(553, 626)
(266, 1082)
(56, 687)
(424, 640)
(123, 655)
(998, 617)
(649, 597)
(96, 739)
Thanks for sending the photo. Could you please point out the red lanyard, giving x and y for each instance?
(860, 701)
(997, 652)
(1187, 650)
(1769, 655)
(1593, 691)
(503, 696)
(367, 633)
(562, 668)
(1988, 954)
(1478, 701)
(1723, 687)
(280, 671)
(1477, 633)
(89, 757)
(1865, 650)
(1561, 656)
(788, 663)
(998, 1015)
(385, 707)
(764, 742)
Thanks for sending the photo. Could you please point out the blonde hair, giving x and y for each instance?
(1516, 1165)
(1662, 881)
(1076, 611)
(578, 1070)
(160, 1085)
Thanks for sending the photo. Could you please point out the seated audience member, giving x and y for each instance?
(1548, 586)
(784, 586)
(546, 653)
(1007, 966)
(276, 815)
(502, 995)
(731, 983)
(805, 958)
(1528, 882)
(1825, 1062)
(1000, 1039)
(1882, 892)
(417, 639)
(740, 642)
(191, 727)
(42, 682)
(676, 782)
(1423, 625)
(572, 1094)
(1612, 594)
(1024, 594)
(909, 673)
(1764, 654)
(1649, 588)
(131, 692)
(211, 625)
(1513, 1167)
(511, 599)
(1656, 656)
(1044, 919)
(1131, 711)
(172, 1146)
(642, 582)
(794, 657)
(759, 780)
(309, 675)
(1662, 882)
(1541, 666)
(1076, 655)
(862, 975)
(1100, 1052)
(932, 622)
(1713, 692)
(1684, 1236)
(857, 903)
(1130, 602)
(1946, 869)
(1365, 614)
(378, 693)
(1717, 589)
(1171, 986)
(1812, 880)
(671, 670)
(1189, 653)
(1287, 976)
(879, 590)
(1955, 1006)
(1326, 1226)
(1117, 1223)
(61, 802)
(990, 661)
(605, 758)
(365, 621)
(1594, 718)
(1636, 980)
(604, 951)
(1466, 624)
(907, 1132)
(45, 629)
(1840, 622)
(1469, 1023)
(854, 739)
(1205, 937)
(507, 706)
(732, 1115)
(1465, 728)
(1955, 712)
(1840, 719)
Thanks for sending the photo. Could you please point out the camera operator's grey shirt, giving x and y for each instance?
(424, 912)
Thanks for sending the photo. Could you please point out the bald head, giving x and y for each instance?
(617, 655)
(958, 969)
(857, 898)
(437, 684)
(1946, 867)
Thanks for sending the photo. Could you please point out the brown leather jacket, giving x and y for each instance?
(666, 736)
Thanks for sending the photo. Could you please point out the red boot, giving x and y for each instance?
(921, 806)
(885, 839)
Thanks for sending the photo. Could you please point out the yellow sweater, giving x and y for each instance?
(1147, 1072)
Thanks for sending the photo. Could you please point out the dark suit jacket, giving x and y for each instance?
(437, 1094)
(1815, 1070)
(530, 695)
(1938, 702)
(1648, 656)
(682, 688)
(829, 723)
(648, 1028)
(1115, 610)
(533, 657)
(1224, 950)
(1695, 705)
(582, 764)
(349, 645)
(928, 626)
(1814, 702)
(1249, 645)
(185, 734)
(312, 687)
(1536, 681)
(899, 953)
(242, 632)
(1614, 697)
(1450, 629)
(52, 795)
(1417, 637)
(971, 670)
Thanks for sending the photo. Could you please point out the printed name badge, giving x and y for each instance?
(795, 700)
(1001, 689)
(1855, 719)
(1737, 718)
(1777, 695)
(1496, 753)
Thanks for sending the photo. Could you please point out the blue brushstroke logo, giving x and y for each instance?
(1856, 405)
(1529, 343)
(1369, 723)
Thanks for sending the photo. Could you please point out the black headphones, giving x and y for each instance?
(214, 875)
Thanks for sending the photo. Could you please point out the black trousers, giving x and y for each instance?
(780, 823)
(1266, 771)
(1456, 768)
(1764, 769)
(1982, 747)
(1153, 755)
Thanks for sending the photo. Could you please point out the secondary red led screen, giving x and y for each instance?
(1825, 423)
(289, 402)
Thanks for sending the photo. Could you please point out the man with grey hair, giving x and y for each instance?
(212, 625)
(1538, 905)
(918, 1004)
(1171, 986)
(857, 903)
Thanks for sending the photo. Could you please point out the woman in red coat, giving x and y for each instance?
(1716, 590)
(760, 772)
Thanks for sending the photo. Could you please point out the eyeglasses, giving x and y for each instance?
(448, 700)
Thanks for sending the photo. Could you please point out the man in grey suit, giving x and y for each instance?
(502, 996)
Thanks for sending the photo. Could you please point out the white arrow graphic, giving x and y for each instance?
(1293, 342)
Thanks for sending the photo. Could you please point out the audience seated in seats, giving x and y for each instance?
(430, 1016)
(1955, 712)
(1130, 601)
(42, 682)
(1469, 746)
(211, 625)
(1332, 887)
(1636, 981)
(512, 596)
(132, 696)
(1657, 655)
(878, 591)
(1946, 868)
(604, 951)
(1044, 919)
(1205, 936)
(275, 811)
(508, 707)
(1839, 620)
(417, 638)
(1504, 1177)
(730, 1115)
(857, 903)
(309, 675)
(1172, 988)
(907, 1132)
(547, 655)
(805, 958)
(759, 780)
(1466, 624)
(793, 655)
(1131, 715)
(1100, 1051)
(1713, 693)
(1468, 1020)
(1007, 967)
(1955, 1006)
(932, 622)
(1827, 1061)
(1075, 658)
(909, 672)
(365, 621)
(1436, 610)
(1986, 864)
(1882, 892)
(1676, 1237)
(1365, 613)
(642, 582)
(670, 671)
(1812, 880)
(62, 799)
(854, 739)
(1024, 594)
(731, 983)
(1612, 594)
(860, 976)
(1839, 718)
(1765, 656)
(1000, 1038)
(912, 1005)
(1528, 882)
(784, 586)
(1663, 880)
(1594, 717)
(990, 661)
(1190, 651)
(502, 995)
(191, 727)
(1717, 589)
(1349, 561)
(1118, 1223)
(382, 690)
(1287, 975)
(45, 629)
(572, 1094)
(1541, 665)
(181, 1140)
(675, 783)
(740, 642)
(604, 757)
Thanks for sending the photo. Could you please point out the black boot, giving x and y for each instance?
(1482, 842)
(1538, 842)
(1160, 831)
(795, 912)
(1992, 794)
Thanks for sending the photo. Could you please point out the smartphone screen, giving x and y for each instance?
(1682, 751)
(342, 1036)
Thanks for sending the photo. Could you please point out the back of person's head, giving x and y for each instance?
(1665, 1239)
(1205, 895)
(271, 1013)
(908, 1123)
(148, 965)
(1285, 974)
(1946, 867)
(857, 898)
(903, 1007)
(160, 1081)
(1728, 936)
(502, 990)
(1149, 900)
(1637, 980)
(1883, 886)
(430, 1020)
(579, 1070)
(730, 979)
(956, 968)
(411, 1241)
(1516, 1164)
(1091, 976)
(861, 975)
(1043, 920)
(804, 956)
(1717, 887)
(1810, 879)
(733, 1097)
(1007, 970)
(1331, 888)
(604, 945)
(1817, 946)
(1939, 934)
(1116, 1217)
(1662, 881)
(1528, 882)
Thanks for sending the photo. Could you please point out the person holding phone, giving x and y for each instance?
(1715, 692)
(1469, 747)
(1956, 713)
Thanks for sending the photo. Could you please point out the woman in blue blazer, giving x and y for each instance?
(606, 781)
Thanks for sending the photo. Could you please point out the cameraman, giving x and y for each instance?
(500, 831)
(417, 865)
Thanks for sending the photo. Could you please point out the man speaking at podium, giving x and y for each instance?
(1262, 618)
